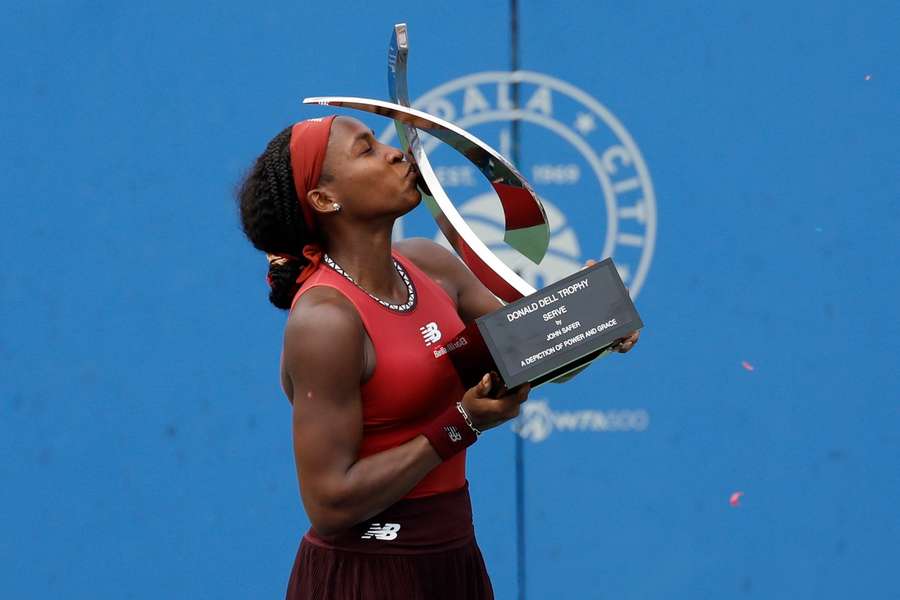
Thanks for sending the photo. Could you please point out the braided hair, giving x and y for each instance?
(272, 219)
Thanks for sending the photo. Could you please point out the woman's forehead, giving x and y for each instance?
(345, 133)
(348, 126)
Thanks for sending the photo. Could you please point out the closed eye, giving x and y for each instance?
(366, 138)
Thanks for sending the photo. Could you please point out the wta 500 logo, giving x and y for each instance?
(585, 166)
(538, 420)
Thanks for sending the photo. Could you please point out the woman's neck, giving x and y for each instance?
(366, 257)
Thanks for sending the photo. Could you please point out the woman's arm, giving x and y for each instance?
(325, 361)
(324, 358)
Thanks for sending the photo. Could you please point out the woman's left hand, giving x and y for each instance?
(626, 343)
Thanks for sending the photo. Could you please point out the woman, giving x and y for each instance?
(380, 420)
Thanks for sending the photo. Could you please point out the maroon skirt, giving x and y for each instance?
(419, 549)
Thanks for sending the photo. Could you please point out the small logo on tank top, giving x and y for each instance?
(453, 433)
(454, 345)
(386, 532)
(430, 333)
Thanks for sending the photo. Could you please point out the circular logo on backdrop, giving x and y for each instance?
(582, 162)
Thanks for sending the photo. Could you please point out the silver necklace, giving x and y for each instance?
(410, 290)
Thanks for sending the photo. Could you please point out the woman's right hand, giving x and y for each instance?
(488, 411)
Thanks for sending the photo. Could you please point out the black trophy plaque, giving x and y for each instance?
(551, 332)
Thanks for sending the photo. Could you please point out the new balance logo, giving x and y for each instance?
(430, 333)
(453, 432)
(387, 532)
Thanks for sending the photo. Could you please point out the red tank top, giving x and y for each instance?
(414, 380)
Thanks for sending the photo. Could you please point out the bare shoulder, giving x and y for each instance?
(429, 256)
(321, 301)
(472, 298)
(324, 331)
(322, 312)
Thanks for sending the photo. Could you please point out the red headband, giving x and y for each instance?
(309, 140)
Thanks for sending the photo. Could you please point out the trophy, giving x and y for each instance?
(539, 335)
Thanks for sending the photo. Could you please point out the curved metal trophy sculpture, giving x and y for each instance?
(538, 336)
(526, 227)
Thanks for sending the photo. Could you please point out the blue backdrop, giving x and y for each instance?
(739, 160)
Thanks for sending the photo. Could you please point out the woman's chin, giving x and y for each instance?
(415, 200)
